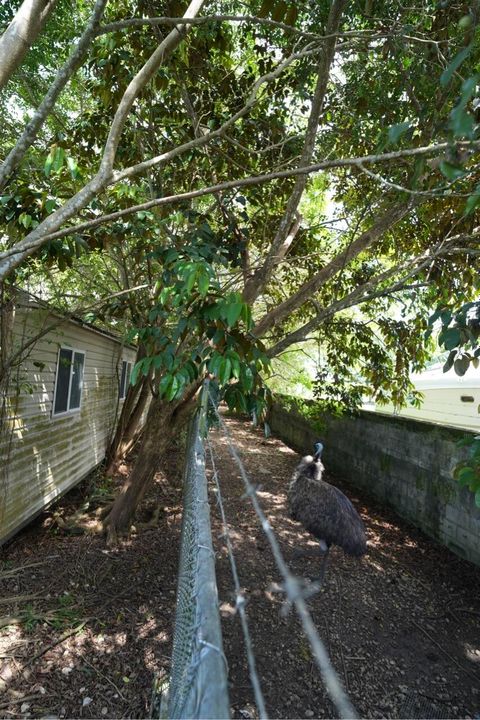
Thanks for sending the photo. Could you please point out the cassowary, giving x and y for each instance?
(324, 510)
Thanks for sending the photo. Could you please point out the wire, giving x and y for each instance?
(293, 590)
(239, 598)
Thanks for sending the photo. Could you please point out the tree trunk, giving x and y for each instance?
(163, 424)
(21, 34)
(133, 407)
(132, 428)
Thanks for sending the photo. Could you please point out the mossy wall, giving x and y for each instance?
(405, 463)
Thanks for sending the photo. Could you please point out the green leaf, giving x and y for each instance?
(451, 172)
(477, 498)
(473, 201)
(234, 310)
(158, 361)
(435, 316)
(449, 338)
(466, 475)
(224, 370)
(192, 276)
(136, 372)
(461, 365)
(164, 385)
(49, 162)
(58, 158)
(73, 167)
(247, 316)
(395, 132)
(170, 256)
(446, 316)
(214, 363)
(469, 87)
(235, 361)
(25, 219)
(247, 378)
(203, 283)
(461, 122)
(447, 74)
(146, 365)
(449, 363)
(173, 389)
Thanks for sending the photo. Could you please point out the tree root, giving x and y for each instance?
(82, 522)
(150, 524)
(115, 534)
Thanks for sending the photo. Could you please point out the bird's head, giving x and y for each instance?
(318, 451)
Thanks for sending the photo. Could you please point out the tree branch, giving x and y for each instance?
(34, 240)
(63, 76)
(278, 314)
(205, 138)
(22, 32)
(361, 294)
(28, 248)
(280, 244)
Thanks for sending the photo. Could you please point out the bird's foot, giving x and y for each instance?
(308, 552)
(318, 582)
(306, 591)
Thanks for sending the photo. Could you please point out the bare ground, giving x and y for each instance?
(401, 625)
(125, 597)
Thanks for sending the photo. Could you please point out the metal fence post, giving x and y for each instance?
(198, 680)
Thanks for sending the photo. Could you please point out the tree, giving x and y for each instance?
(21, 33)
(225, 122)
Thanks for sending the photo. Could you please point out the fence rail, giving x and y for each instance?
(198, 679)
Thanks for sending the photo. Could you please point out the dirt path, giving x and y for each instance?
(402, 625)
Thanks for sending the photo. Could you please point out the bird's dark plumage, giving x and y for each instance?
(323, 509)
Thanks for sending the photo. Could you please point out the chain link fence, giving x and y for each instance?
(198, 679)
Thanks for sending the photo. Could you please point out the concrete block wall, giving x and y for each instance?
(405, 463)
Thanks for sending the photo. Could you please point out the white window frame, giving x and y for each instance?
(122, 391)
(73, 410)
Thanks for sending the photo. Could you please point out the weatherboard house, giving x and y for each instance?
(60, 403)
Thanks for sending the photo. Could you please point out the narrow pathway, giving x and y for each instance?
(402, 625)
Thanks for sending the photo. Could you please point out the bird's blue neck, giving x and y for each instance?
(318, 451)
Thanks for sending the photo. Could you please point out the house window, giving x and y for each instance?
(125, 378)
(69, 381)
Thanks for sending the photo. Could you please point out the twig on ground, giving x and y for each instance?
(10, 620)
(16, 701)
(60, 640)
(13, 571)
(447, 654)
(20, 598)
(105, 677)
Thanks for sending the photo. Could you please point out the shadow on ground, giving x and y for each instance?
(91, 626)
(401, 625)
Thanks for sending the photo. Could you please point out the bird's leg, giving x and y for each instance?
(324, 549)
(310, 552)
(323, 566)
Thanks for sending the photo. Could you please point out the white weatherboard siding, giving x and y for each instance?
(43, 455)
(448, 399)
